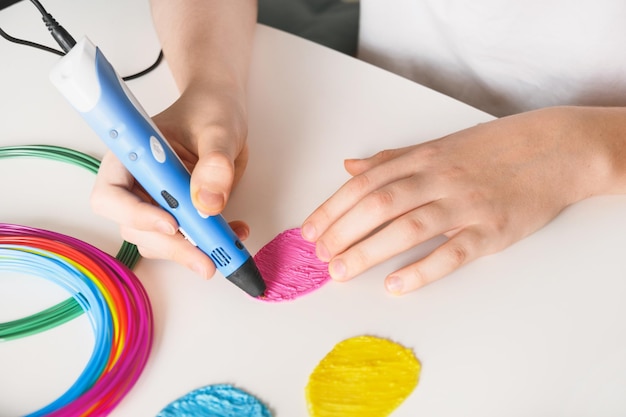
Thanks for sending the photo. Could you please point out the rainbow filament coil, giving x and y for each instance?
(101, 286)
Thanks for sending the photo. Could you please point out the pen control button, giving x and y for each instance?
(169, 199)
(157, 149)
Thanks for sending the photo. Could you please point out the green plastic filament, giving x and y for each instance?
(68, 309)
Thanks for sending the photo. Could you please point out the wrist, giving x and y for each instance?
(598, 134)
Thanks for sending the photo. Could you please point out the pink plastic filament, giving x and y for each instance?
(114, 300)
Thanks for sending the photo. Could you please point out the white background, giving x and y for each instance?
(537, 329)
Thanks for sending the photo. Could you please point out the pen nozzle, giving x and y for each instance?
(248, 278)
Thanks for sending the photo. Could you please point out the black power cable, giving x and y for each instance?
(58, 32)
(29, 43)
(66, 42)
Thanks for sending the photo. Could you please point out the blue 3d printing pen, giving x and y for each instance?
(89, 82)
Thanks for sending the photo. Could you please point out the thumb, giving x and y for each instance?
(211, 181)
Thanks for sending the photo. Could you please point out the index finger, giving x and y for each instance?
(348, 196)
(117, 196)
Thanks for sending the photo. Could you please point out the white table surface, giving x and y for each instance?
(536, 330)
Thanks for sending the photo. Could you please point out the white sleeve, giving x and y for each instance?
(502, 57)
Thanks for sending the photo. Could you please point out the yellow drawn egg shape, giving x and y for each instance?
(364, 376)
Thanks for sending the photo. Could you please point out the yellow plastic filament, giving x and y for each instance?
(363, 376)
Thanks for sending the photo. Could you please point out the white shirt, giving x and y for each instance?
(502, 56)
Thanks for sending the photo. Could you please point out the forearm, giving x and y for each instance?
(207, 43)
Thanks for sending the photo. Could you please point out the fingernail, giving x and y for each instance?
(164, 227)
(308, 232)
(394, 284)
(200, 270)
(337, 269)
(242, 232)
(213, 202)
(322, 253)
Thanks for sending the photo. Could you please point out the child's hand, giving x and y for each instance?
(208, 130)
(484, 188)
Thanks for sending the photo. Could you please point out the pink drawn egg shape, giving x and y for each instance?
(289, 267)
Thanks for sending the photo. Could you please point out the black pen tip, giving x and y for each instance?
(249, 279)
